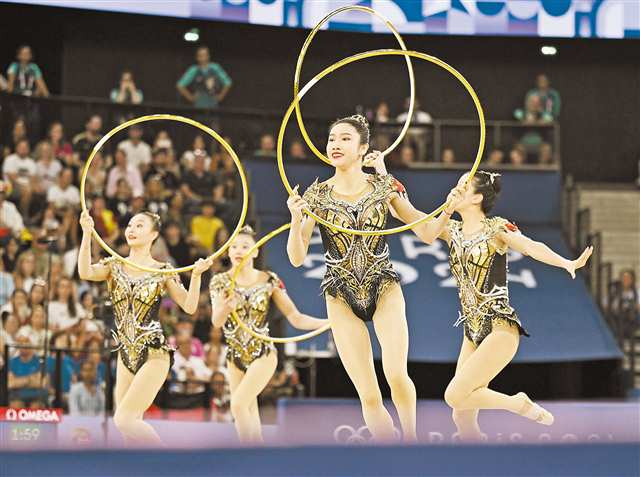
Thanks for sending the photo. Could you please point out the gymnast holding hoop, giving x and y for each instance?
(360, 284)
(144, 357)
(251, 361)
(478, 245)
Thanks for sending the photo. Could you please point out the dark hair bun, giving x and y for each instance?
(489, 184)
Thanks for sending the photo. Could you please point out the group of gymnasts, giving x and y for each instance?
(359, 285)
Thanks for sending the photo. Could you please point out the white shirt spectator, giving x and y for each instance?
(131, 175)
(59, 317)
(419, 117)
(68, 197)
(200, 373)
(10, 217)
(48, 173)
(23, 167)
(83, 402)
(138, 155)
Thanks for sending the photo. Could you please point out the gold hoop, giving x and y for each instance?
(209, 131)
(303, 52)
(351, 59)
(242, 324)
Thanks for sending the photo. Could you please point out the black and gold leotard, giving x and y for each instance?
(136, 301)
(479, 265)
(358, 268)
(253, 307)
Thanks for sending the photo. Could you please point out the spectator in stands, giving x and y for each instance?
(62, 149)
(96, 180)
(64, 309)
(220, 399)
(48, 168)
(545, 154)
(3, 83)
(198, 148)
(548, 98)
(18, 133)
(297, 151)
(25, 273)
(176, 213)
(34, 329)
(20, 170)
(496, 157)
(417, 136)
(198, 183)
(625, 302)
(127, 92)
(9, 330)
(179, 248)
(162, 168)
(11, 223)
(382, 137)
(25, 381)
(156, 197)
(119, 204)
(38, 293)
(517, 156)
(189, 368)
(208, 230)
(25, 77)
(85, 397)
(7, 286)
(11, 250)
(406, 157)
(184, 327)
(138, 152)
(448, 156)
(163, 141)
(105, 221)
(267, 147)
(84, 142)
(64, 194)
(123, 170)
(205, 84)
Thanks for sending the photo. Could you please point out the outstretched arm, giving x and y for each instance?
(542, 253)
(291, 312)
(188, 300)
(300, 231)
(402, 209)
(87, 270)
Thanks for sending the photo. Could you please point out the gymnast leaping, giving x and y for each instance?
(492, 329)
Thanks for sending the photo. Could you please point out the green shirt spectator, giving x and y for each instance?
(204, 84)
(25, 77)
(549, 98)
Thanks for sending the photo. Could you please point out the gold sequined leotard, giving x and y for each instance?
(479, 265)
(358, 268)
(253, 307)
(136, 301)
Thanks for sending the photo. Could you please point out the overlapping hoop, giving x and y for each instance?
(303, 52)
(362, 56)
(210, 132)
(242, 324)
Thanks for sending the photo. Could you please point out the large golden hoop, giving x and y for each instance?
(242, 324)
(362, 56)
(209, 131)
(303, 52)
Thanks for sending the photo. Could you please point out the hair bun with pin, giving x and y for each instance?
(361, 119)
(247, 230)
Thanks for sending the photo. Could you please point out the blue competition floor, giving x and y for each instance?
(560, 460)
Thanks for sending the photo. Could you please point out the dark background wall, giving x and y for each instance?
(82, 53)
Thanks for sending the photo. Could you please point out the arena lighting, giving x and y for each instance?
(548, 50)
(192, 35)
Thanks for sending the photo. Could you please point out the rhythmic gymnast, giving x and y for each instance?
(144, 357)
(492, 329)
(360, 284)
(251, 361)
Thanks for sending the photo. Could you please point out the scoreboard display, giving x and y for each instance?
(29, 429)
